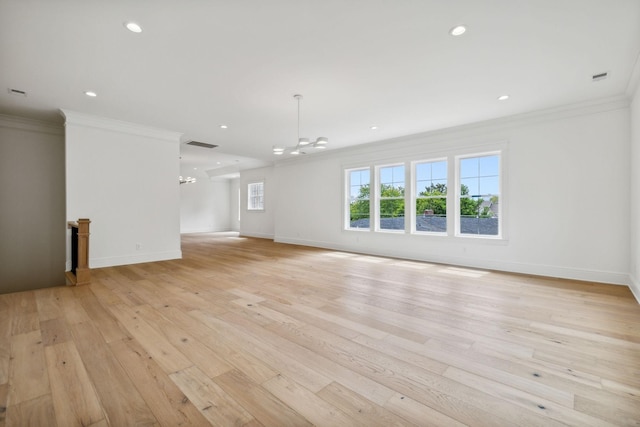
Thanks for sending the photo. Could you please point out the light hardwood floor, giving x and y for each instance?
(250, 332)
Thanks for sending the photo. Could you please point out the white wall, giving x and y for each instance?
(32, 205)
(124, 178)
(635, 195)
(205, 206)
(234, 207)
(566, 195)
(258, 223)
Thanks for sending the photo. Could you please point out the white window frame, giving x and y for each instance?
(377, 198)
(414, 196)
(452, 156)
(347, 199)
(250, 201)
(458, 181)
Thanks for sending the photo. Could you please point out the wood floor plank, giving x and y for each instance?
(423, 415)
(4, 396)
(169, 404)
(119, 398)
(199, 354)
(74, 398)
(553, 411)
(54, 331)
(427, 387)
(489, 368)
(264, 406)
(71, 306)
(5, 344)
(360, 408)
(24, 313)
(213, 402)
(48, 303)
(106, 323)
(249, 332)
(258, 370)
(167, 356)
(292, 364)
(303, 401)
(28, 377)
(38, 411)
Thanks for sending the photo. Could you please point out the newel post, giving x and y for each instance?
(80, 273)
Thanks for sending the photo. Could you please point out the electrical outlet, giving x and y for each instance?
(138, 246)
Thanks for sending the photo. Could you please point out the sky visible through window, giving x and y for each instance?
(393, 176)
(481, 175)
(357, 179)
(431, 174)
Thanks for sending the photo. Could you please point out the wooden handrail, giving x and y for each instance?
(80, 273)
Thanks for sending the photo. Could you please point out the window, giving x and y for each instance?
(391, 197)
(431, 196)
(358, 199)
(451, 195)
(255, 191)
(479, 197)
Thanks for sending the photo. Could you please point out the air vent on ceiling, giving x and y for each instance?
(599, 76)
(201, 144)
(17, 92)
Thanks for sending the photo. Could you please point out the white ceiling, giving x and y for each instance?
(390, 63)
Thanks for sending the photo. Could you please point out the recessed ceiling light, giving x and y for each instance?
(91, 93)
(223, 126)
(133, 27)
(458, 30)
(373, 127)
(503, 97)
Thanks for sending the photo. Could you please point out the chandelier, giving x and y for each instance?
(303, 143)
(187, 180)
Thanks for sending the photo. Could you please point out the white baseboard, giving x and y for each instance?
(133, 259)
(599, 276)
(258, 235)
(634, 285)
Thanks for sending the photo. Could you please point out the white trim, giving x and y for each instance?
(457, 194)
(346, 199)
(133, 259)
(257, 235)
(413, 196)
(442, 139)
(22, 123)
(598, 276)
(87, 120)
(374, 194)
(634, 286)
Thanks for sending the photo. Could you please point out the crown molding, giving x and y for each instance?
(31, 125)
(478, 131)
(81, 119)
